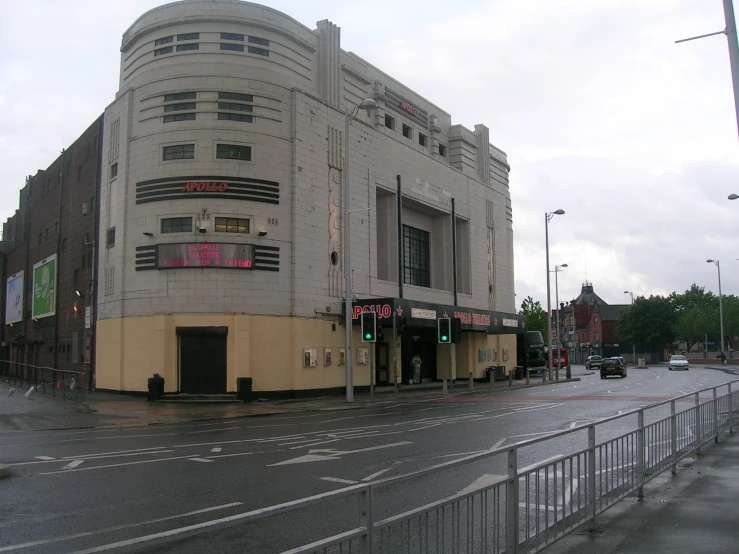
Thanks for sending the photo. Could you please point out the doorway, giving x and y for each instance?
(423, 342)
(203, 363)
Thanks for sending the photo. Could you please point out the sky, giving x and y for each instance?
(600, 112)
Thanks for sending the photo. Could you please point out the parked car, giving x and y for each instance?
(593, 362)
(678, 361)
(612, 366)
(623, 360)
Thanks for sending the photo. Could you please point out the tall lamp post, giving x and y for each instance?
(633, 343)
(733, 43)
(547, 219)
(557, 269)
(720, 302)
(367, 105)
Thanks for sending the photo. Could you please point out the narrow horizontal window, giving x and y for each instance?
(181, 47)
(177, 225)
(179, 96)
(232, 225)
(257, 40)
(188, 36)
(235, 96)
(178, 152)
(161, 51)
(233, 47)
(179, 117)
(259, 51)
(232, 36)
(234, 117)
(163, 40)
(184, 106)
(235, 107)
(233, 152)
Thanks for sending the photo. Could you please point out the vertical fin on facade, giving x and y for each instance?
(489, 220)
(329, 66)
(483, 153)
(335, 164)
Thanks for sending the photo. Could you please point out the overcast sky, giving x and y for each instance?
(600, 112)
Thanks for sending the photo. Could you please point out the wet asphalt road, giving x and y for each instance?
(80, 490)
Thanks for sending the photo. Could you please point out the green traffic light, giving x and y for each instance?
(443, 337)
(367, 336)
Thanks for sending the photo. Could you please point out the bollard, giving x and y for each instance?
(528, 377)
(510, 377)
(470, 380)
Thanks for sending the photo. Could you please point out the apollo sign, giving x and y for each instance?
(204, 186)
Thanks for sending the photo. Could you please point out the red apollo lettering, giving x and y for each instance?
(205, 186)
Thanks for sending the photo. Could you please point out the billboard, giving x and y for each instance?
(44, 287)
(14, 296)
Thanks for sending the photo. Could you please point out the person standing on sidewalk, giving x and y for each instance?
(416, 364)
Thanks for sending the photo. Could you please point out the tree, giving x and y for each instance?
(536, 317)
(649, 322)
(694, 324)
(694, 297)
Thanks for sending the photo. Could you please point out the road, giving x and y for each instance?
(80, 490)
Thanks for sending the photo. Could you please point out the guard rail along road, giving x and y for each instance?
(514, 509)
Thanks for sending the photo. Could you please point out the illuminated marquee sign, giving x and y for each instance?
(195, 186)
(201, 254)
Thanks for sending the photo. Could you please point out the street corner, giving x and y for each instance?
(5, 470)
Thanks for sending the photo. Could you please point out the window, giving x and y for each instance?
(233, 152)
(110, 238)
(596, 321)
(188, 36)
(229, 46)
(235, 96)
(421, 139)
(257, 40)
(259, 51)
(177, 225)
(416, 257)
(114, 170)
(407, 131)
(181, 47)
(596, 336)
(232, 36)
(389, 122)
(234, 117)
(183, 106)
(164, 40)
(232, 225)
(236, 107)
(442, 151)
(162, 51)
(179, 117)
(178, 152)
(179, 96)
(79, 173)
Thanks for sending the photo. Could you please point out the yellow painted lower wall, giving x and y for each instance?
(269, 349)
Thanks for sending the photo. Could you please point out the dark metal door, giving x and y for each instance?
(203, 364)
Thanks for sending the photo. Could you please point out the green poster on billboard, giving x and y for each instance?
(44, 287)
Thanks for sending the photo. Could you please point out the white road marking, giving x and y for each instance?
(116, 528)
(117, 465)
(486, 480)
(378, 473)
(204, 460)
(73, 464)
(213, 430)
(95, 457)
(533, 508)
(216, 449)
(498, 443)
(314, 456)
(544, 461)
(462, 454)
(45, 458)
(338, 480)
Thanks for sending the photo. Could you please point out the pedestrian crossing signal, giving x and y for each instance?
(444, 325)
(369, 327)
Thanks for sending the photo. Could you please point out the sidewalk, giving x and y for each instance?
(43, 412)
(694, 511)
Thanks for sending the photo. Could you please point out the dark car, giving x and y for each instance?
(612, 366)
(593, 362)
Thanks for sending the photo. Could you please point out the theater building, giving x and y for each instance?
(221, 213)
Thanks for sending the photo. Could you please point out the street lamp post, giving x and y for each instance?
(348, 297)
(557, 269)
(633, 343)
(720, 301)
(547, 218)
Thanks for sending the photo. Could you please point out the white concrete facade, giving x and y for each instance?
(294, 87)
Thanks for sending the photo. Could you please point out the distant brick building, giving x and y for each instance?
(52, 234)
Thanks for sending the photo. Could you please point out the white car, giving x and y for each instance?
(679, 361)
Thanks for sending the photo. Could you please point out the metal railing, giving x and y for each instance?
(517, 509)
(38, 377)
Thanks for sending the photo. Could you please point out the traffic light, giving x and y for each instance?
(369, 327)
(444, 325)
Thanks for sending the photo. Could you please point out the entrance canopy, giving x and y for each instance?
(425, 314)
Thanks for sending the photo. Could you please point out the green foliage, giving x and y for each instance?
(649, 322)
(536, 317)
